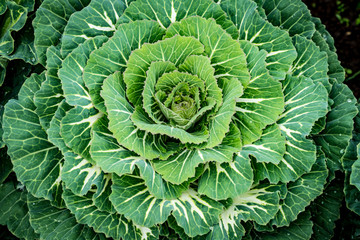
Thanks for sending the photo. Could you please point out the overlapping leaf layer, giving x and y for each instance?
(177, 119)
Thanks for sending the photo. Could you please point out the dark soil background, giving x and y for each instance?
(342, 20)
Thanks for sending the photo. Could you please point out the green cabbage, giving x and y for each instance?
(176, 119)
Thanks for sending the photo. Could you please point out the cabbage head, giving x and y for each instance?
(169, 119)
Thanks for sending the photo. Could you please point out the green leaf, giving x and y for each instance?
(262, 101)
(107, 153)
(113, 158)
(50, 21)
(168, 81)
(145, 123)
(294, 16)
(131, 197)
(166, 12)
(54, 128)
(302, 109)
(195, 214)
(184, 123)
(325, 210)
(352, 194)
(220, 123)
(50, 94)
(319, 126)
(226, 180)
(3, 65)
(269, 148)
(323, 39)
(311, 62)
(253, 28)
(80, 176)
(111, 224)
(156, 70)
(75, 129)
(98, 18)
(300, 229)
(3, 7)
(18, 71)
(54, 223)
(172, 85)
(71, 72)
(119, 112)
(114, 55)
(201, 66)
(36, 161)
(24, 43)
(182, 165)
(225, 54)
(339, 125)
(14, 211)
(301, 192)
(260, 204)
(179, 231)
(175, 50)
(228, 228)
(13, 19)
(355, 171)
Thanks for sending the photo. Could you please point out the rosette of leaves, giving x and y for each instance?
(178, 119)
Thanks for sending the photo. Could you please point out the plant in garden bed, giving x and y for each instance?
(176, 119)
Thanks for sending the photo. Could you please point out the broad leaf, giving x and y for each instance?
(112, 225)
(225, 54)
(54, 223)
(226, 180)
(301, 192)
(253, 28)
(193, 213)
(166, 12)
(36, 160)
(339, 125)
(119, 112)
(262, 101)
(114, 55)
(50, 21)
(14, 211)
(71, 73)
(302, 109)
(98, 18)
(300, 229)
(294, 16)
(175, 50)
(49, 96)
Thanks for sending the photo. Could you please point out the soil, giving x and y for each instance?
(346, 35)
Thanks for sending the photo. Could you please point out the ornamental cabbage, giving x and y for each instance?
(177, 119)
